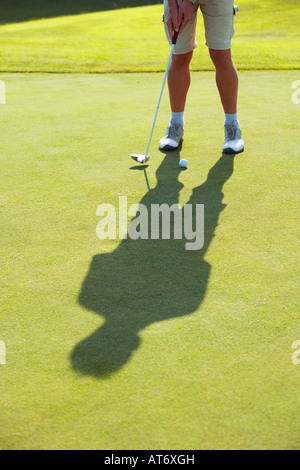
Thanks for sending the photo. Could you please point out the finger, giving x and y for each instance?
(173, 27)
(183, 24)
(170, 28)
(181, 20)
(175, 20)
(173, 23)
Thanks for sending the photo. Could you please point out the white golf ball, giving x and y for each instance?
(183, 163)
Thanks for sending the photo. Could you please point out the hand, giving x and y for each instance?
(179, 16)
(172, 21)
(185, 14)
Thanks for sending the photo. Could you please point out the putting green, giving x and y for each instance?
(122, 344)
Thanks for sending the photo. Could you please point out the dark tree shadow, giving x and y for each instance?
(148, 281)
(15, 11)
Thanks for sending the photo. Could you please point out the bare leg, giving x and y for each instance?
(226, 79)
(179, 80)
(227, 83)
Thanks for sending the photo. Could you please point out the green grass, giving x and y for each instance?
(13, 11)
(133, 40)
(143, 345)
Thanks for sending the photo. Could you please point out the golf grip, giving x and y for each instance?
(175, 36)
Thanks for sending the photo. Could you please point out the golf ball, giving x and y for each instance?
(183, 163)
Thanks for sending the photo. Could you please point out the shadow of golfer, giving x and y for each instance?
(148, 281)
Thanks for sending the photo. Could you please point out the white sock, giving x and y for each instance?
(229, 118)
(178, 118)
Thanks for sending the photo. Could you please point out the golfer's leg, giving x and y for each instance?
(179, 80)
(179, 77)
(226, 79)
(219, 30)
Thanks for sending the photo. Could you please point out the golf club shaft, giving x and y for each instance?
(162, 89)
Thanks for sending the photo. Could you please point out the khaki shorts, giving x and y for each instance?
(218, 18)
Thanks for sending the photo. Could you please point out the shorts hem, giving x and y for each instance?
(218, 47)
(184, 51)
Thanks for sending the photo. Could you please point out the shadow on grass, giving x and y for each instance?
(148, 281)
(23, 10)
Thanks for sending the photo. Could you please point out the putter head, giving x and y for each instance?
(140, 158)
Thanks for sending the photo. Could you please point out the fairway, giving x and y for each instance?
(142, 345)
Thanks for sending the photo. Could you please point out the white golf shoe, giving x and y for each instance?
(233, 138)
(172, 138)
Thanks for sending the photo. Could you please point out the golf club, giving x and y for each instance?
(144, 158)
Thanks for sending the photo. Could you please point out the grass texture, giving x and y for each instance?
(133, 40)
(122, 344)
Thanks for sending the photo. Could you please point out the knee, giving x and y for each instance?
(182, 61)
(221, 59)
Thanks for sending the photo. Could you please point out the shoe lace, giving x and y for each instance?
(232, 132)
(171, 132)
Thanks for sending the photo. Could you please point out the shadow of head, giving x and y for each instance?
(146, 281)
